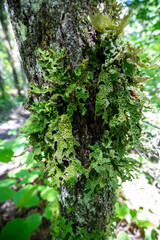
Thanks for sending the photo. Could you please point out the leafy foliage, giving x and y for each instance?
(23, 188)
(133, 219)
(7, 149)
(6, 194)
(21, 229)
(144, 31)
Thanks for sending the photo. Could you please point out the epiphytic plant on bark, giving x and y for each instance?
(82, 123)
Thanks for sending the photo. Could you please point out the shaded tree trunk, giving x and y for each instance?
(7, 43)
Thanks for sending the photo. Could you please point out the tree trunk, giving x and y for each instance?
(64, 24)
(7, 43)
(83, 112)
(2, 83)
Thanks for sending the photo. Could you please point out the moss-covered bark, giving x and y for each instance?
(85, 106)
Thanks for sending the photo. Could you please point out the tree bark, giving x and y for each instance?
(47, 23)
(7, 43)
(2, 83)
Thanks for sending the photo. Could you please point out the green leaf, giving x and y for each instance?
(24, 196)
(19, 145)
(133, 213)
(16, 229)
(6, 155)
(121, 209)
(27, 158)
(32, 202)
(19, 194)
(8, 148)
(33, 222)
(14, 172)
(49, 194)
(8, 182)
(20, 229)
(144, 223)
(7, 144)
(42, 187)
(27, 196)
(158, 227)
(47, 181)
(153, 234)
(47, 212)
(22, 173)
(6, 193)
(123, 236)
(30, 177)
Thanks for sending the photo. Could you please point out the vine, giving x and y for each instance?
(110, 108)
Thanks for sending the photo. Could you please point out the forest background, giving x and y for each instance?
(21, 204)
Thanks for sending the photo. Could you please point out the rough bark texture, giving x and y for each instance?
(39, 24)
(44, 23)
(7, 43)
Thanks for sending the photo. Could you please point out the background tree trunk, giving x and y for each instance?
(58, 24)
(25, 87)
(7, 43)
(2, 83)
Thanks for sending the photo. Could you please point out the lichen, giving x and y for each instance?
(106, 23)
(36, 5)
(22, 31)
(81, 125)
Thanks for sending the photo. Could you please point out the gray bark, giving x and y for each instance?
(44, 23)
(39, 24)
